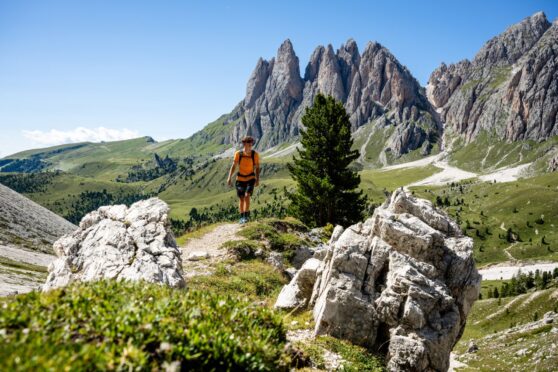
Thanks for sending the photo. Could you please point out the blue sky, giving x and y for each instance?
(73, 70)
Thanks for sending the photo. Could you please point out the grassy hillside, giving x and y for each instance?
(488, 152)
(485, 211)
(508, 336)
(514, 220)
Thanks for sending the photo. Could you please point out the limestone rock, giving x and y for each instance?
(298, 291)
(275, 259)
(553, 164)
(197, 256)
(116, 242)
(301, 255)
(402, 283)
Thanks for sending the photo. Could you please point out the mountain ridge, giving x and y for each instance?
(502, 91)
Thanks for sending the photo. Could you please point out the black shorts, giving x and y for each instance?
(245, 187)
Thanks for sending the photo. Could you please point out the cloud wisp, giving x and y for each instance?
(79, 134)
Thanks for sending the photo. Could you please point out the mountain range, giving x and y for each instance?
(508, 93)
(509, 90)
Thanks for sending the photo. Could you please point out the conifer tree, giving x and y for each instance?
(326, 188)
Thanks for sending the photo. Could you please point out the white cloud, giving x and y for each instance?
(79, 134)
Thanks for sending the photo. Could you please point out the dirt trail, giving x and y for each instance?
(507, 252)
(200, 254)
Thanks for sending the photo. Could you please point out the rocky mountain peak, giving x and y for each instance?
(508, 89)
(286, 72)
(369, 85)
(510, 45)
(257, 81)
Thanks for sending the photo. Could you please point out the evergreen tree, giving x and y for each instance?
(326, 187)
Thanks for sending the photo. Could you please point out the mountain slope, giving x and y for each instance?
(27, 224)
(508, 92)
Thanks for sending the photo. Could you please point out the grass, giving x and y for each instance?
(489, 316)
(489, 324)
(528, 206)
(354, 358)
(373, 182)
(251, 280)
(243, 249)
(488, 152)
(4, 261)
(111, 325)
(281, 235)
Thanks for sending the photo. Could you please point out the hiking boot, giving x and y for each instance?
(242, 220)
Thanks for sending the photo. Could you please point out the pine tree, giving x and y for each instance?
(326, 187)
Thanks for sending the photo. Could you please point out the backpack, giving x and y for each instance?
(240, 159)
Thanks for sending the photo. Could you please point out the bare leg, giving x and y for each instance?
(246, 202)
(241, 204)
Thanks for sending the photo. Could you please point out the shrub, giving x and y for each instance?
(122, 325)
(275, 240)
(242, 249)
(328, 230)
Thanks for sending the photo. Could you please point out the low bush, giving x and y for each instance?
(111, 325)
(243, 249)
(252, 280)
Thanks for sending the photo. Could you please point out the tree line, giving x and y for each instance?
(522, 282)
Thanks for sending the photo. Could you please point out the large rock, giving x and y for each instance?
(298, 291)
(116, 242)
(401, 283)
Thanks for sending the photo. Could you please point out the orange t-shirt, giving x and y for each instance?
(246, 167)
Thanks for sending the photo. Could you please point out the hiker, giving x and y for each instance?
(247, 160)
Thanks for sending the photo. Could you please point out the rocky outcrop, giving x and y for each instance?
(553, 163)
(116, 242)
(371, 85)
(273, 92)
(401, 283)
(298, 291)
(509, 89)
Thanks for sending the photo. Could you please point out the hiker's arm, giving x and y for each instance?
(257, 174)
(231, 172)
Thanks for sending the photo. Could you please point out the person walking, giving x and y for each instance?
(248, 176)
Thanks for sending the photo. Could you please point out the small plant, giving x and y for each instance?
(138, 326)
(243, 249)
